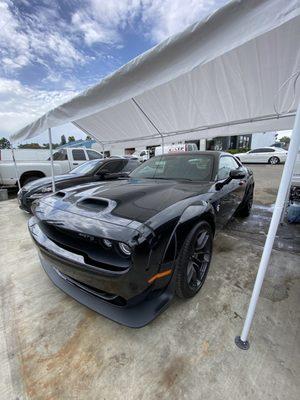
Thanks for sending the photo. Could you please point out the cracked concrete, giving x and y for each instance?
(51, 347)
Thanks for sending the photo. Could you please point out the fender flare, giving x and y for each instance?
(193, 214)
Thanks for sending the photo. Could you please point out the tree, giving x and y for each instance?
(71, 139)
(4, 143)
(88, 137)
(285, 139)
(30, 146)
(63, 140)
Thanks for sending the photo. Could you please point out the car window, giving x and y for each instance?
(60, 155)
(86, 168)
(93, 155)
(262, 150)
(226, 164)
(187, 166)
(113, 166)
(131, 165)
(78, 155)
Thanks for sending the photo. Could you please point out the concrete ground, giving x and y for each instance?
(51, 347)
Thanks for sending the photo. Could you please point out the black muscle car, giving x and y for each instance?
(125, 247)
(91, 171)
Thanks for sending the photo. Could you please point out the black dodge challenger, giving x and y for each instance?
(125, 247)
(90, 171)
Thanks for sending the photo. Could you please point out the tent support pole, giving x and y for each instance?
(16, 168)
(103, 150)
(51, 159)
(241, 341)
(152, 123)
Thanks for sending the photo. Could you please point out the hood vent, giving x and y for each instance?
(60, 194)
(93, 204)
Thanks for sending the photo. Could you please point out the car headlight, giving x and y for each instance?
(125, 249)
(46, 189)
(107, 243)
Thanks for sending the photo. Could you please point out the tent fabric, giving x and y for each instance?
(220, 76)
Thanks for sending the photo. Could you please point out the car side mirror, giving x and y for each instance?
(233, 174)
(237, 174)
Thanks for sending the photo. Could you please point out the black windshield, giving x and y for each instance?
(191, 167)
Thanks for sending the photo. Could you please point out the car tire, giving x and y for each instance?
(245, 207)
(194, 260)
(274, 160)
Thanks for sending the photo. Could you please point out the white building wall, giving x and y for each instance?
(118, 149)
(258, 140)
(263, 139)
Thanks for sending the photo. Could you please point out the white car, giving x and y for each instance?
(270, 155)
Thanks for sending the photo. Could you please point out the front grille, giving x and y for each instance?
(91, 250)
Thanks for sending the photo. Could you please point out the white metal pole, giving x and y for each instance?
(162, 144)
(286, 201)
(103, 150)
(51, 159)
(241, 341)
(16, 168)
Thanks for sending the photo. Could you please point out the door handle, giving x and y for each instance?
(75, 163)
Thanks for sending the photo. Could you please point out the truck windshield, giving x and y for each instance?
(190, 167)
(86, 168)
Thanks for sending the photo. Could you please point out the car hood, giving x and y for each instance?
(128, 199)
(38, 183)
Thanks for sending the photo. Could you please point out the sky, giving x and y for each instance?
(52, 50)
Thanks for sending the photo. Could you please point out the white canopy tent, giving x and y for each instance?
(234, 72)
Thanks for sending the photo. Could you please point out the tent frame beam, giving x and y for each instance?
(152, 123)
(16, 167)
(51, 159)
(242, 341)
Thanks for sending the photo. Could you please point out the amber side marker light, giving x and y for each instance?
(160, 275)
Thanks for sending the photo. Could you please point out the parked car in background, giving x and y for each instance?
(269, 155)
(123, 248)
(90, 171)
(28, 171)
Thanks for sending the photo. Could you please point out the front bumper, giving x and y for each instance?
(24, 201)
(119, 296)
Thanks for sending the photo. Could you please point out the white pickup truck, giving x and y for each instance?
(64, 160)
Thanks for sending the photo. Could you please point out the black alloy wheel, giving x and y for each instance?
(194, 260)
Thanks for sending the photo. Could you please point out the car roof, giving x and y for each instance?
(199, 152)
(268, 147)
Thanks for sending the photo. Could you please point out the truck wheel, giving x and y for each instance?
(194, 260)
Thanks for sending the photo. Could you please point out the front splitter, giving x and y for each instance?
(135, 316)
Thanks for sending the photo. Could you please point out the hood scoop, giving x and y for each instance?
(60, 194)
(93, 204)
